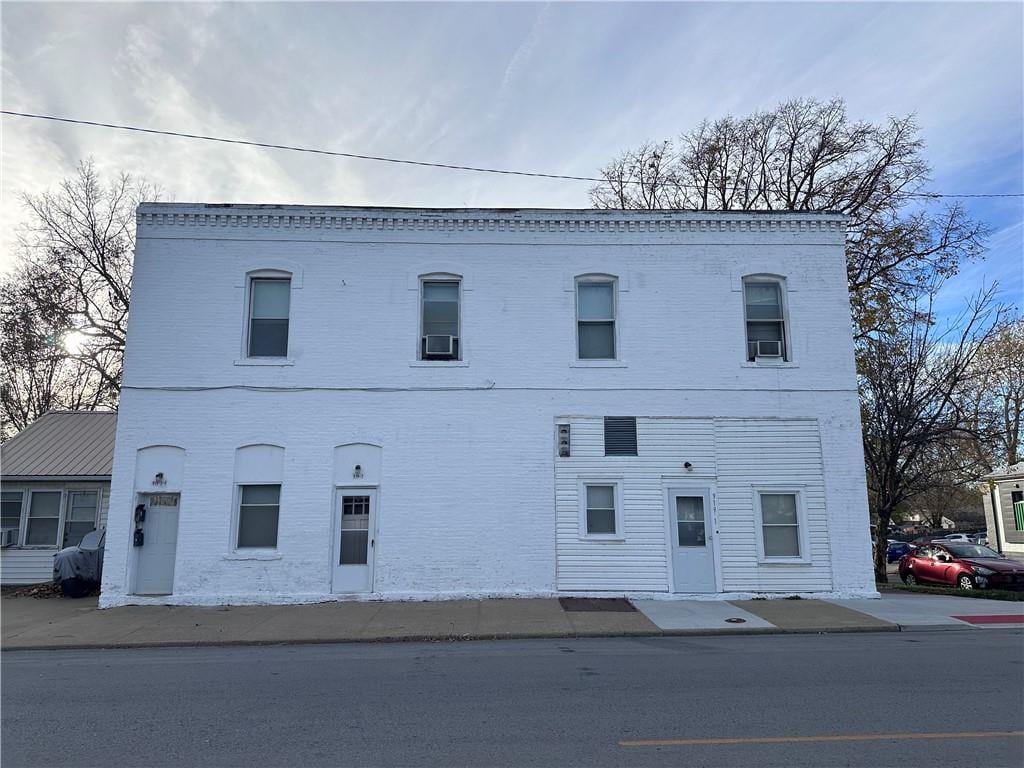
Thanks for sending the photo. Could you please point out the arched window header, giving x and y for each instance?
(259, 463)
(268, 268)
(444, 270)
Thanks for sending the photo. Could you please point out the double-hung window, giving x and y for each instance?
(43, 518)
(439, 320)
(269, 306)
(10, 512)
(780, 526)
(595, 318)
(259, 507)
(80, 517)
(765, 319)
(600, 509)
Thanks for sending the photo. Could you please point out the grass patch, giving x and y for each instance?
(982, 594)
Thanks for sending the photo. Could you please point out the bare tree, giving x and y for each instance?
(65, 307)
(808, 155)
(999, 396)
(913, 378)
(38, 372)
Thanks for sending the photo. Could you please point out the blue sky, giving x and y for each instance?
(550, 87)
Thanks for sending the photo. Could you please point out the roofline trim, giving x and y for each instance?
(583, 220)
(56, 479)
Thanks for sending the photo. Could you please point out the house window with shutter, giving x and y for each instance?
(620, 436)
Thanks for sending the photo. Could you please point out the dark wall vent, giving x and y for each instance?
(619, 436)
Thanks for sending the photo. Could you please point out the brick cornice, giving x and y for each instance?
(472, 220)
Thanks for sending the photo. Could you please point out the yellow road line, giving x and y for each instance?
(810, 739)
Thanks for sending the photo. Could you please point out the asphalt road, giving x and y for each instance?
(532, 703)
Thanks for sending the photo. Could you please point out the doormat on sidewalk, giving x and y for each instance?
(596, 604)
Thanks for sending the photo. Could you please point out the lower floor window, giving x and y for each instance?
(10, 510)
(780, 525)
(258, 510)
(600, 509)
(80, 517)
(43, 518)
(1017, 501)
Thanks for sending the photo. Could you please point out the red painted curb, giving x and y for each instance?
(992, 619)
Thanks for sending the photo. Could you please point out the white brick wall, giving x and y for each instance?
(467, 496)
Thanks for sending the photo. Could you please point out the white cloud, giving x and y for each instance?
(560, 88)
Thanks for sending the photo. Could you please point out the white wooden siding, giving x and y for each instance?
(639, 562)
(736, 455)
(760, 453)
(26, 566)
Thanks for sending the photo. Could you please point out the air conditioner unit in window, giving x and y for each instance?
(439, 347)
(768, 349)
(8, 537)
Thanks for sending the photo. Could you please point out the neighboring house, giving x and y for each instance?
(421, 403)
(56, 488)
(1004, 510)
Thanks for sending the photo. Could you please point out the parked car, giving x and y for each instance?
(962, 565)
(78, 569)
(957, 537)
(896, 550)
(980, 538)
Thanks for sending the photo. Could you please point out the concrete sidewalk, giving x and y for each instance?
(29, 623)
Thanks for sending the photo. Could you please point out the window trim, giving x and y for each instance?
(459, 361)
(66, 516)
(597, 277)
(581, 490)
(26, 518)
(787, 343)
(236, 520)
(22, 513)
(250, 277)
(801, 518)
(65, 489)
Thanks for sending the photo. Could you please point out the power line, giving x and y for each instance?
(399, 161)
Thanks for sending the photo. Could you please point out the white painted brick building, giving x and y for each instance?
(283, 417)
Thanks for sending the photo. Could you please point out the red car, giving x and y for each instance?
(962, 565)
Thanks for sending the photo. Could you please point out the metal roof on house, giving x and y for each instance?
(62, 444)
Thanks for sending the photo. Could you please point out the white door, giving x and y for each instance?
(692, 531)
(352, 555)
(154, 564)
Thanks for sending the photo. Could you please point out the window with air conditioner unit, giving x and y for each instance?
(440, 320)
(765, 317)
(10, 509)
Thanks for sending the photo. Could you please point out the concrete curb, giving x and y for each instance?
(710, 632)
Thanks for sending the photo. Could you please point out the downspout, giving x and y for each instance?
(996, 514)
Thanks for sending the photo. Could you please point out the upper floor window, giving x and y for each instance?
(269, 306)
(763, 299)
(439, 320)
(595, 318)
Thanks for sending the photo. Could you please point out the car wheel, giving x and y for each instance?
(964, 581)
(909, 579)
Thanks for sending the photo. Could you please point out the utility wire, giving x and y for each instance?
(399, 161)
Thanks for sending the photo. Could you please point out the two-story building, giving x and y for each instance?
(325, 402)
